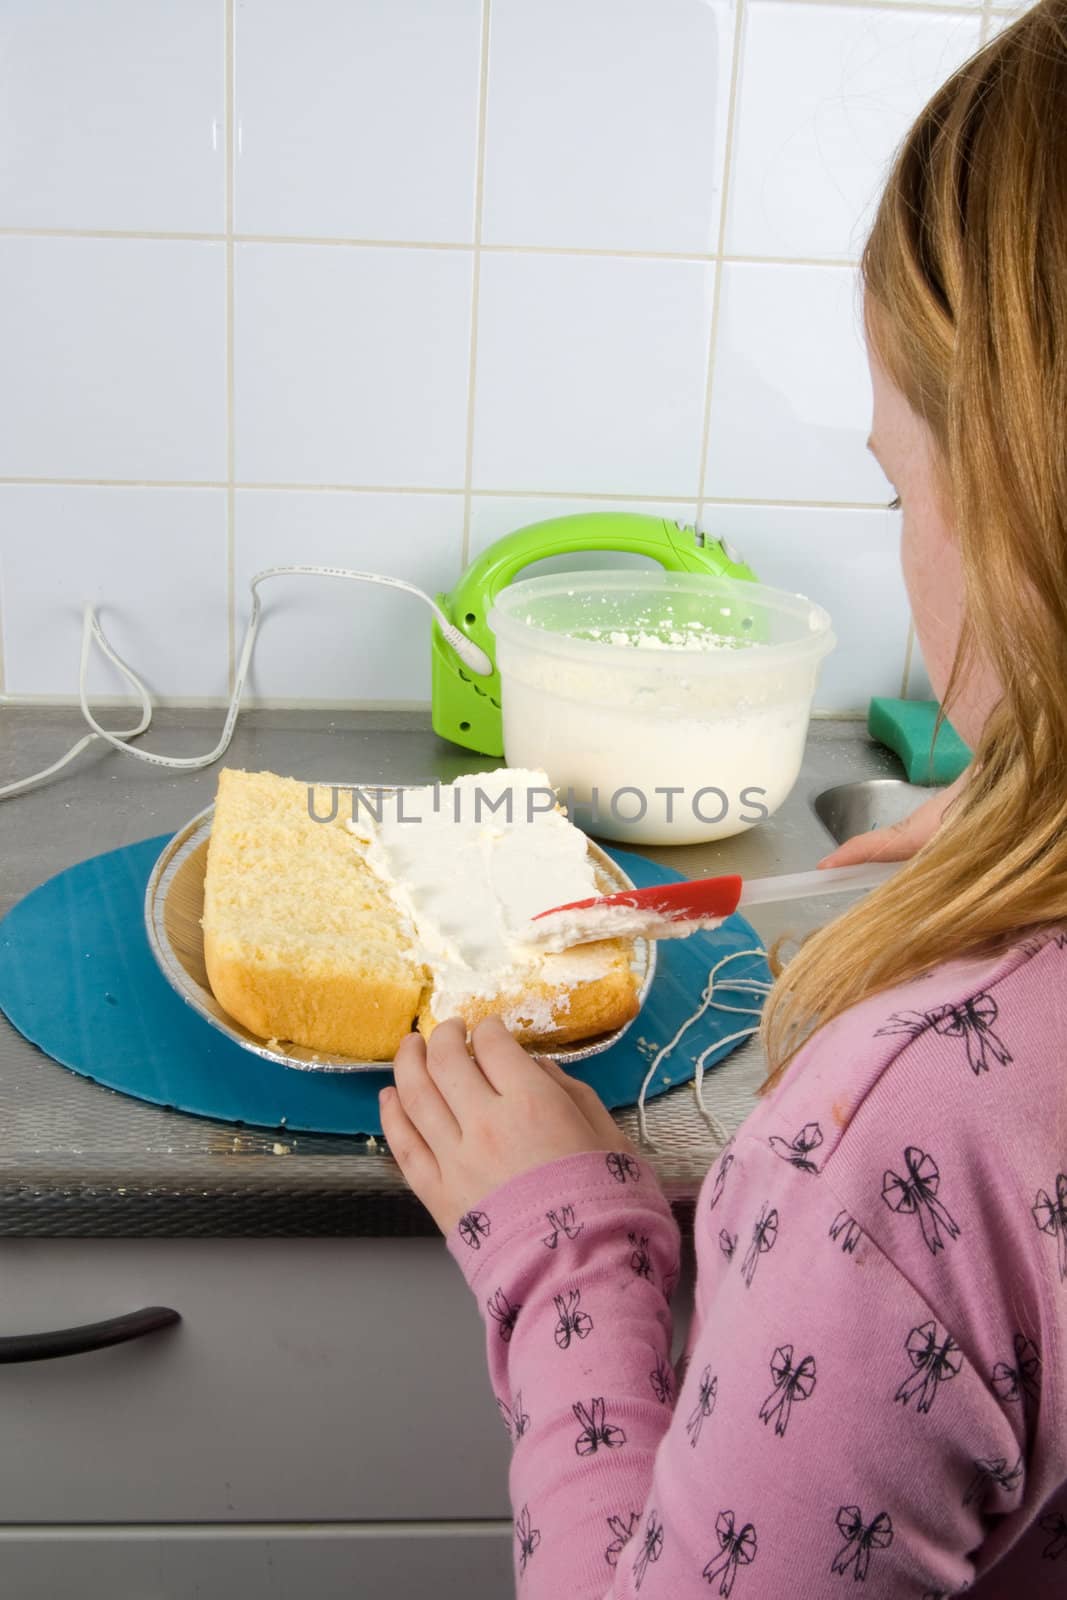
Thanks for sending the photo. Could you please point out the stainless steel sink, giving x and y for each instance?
(851, 808)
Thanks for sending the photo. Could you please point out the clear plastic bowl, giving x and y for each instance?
(667, 708)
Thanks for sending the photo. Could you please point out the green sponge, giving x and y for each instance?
(907, 727)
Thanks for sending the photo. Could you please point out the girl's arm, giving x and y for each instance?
(572, 1251)
(572, 1266)
(830, 1430)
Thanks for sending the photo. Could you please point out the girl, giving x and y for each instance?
(875, 1382)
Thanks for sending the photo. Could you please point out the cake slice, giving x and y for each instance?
(404, 909)
(302, 941)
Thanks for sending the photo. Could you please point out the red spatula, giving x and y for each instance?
(673, 910)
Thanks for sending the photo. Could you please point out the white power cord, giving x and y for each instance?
(756, 989)
(472, 656)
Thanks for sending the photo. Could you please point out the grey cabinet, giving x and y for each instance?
(320, 1423)
(310, 1380)
(460, 1563)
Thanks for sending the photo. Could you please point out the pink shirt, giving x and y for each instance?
(873, 1389)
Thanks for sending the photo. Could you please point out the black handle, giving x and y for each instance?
(91, 1336)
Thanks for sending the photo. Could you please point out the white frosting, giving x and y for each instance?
(566, 928)
(469, 864)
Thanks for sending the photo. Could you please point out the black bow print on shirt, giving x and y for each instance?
(737, 1548)
(561, 1221)
(994, 1471)
(848, 1230)
(1023, 1380)
(473, 1228)
(572, 1323)
(662, 1380)
(935, 1357)
(726, 1161)
(651, 1548)
(595, 1431)
(623, 1530)
(727, 1243)
(503, 1313)
(516, 1421)
(707, 1394)
(790, 1383)
(640, 1260)
(623, 1168)
(1054, 1523)
(915, 1194)
(860, 1539)
(764, 1234)
(1050, 1214)
(798, 1150)
(529, 1538)
(972, 1021)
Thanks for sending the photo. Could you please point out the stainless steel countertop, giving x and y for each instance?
(76, 1159)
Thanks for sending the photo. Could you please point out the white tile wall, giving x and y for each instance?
(848, 561)
(790, 398)
(493, 516)
(812, 147)
(918, 677)
(455, 265)
(359, 119)
(153, 562)
(351, 366)
(113, 358)
(591, 374)
(615, 141)
(113, 115)
(323, 640)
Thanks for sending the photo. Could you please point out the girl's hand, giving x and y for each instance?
(903, 839)
(461, 1121)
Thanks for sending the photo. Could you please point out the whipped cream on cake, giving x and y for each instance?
(469, 864)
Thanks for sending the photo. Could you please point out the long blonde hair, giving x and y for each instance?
(965, 275)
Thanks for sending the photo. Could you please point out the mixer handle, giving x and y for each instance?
(675, 548)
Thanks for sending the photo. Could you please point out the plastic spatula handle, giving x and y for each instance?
(805, 885)
(706, 898)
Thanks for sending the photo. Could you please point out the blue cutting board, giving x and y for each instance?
(78, 979)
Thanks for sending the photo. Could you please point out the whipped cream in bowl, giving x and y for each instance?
(666, 707)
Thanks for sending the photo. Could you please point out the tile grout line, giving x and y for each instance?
(905, 680)
(223, 483)
(231, 501)
(716, 293)
(317, 241)
(594, 496)
(476, 280)
(921, 6)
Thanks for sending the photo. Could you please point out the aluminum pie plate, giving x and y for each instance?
(174, 904)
